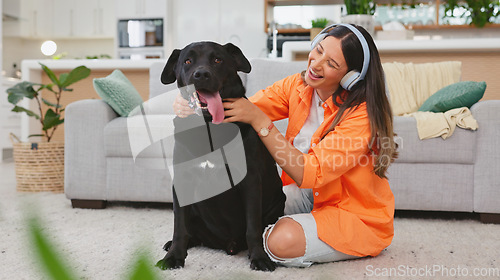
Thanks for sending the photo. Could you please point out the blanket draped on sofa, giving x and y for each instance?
(411, 84)
(430, 125)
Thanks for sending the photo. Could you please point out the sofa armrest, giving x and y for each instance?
(85, 163)
(486, 175)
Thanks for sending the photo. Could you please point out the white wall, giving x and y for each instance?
(237, 21)
(240, 22)
(1, 33)
(17, 49)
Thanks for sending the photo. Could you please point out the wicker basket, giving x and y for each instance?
(39, 166)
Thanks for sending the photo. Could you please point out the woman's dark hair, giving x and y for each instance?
(370, 90)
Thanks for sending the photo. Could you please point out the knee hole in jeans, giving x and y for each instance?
(286, 240)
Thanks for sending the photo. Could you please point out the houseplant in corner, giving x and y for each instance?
(317, 25)
(360, 12)
(479, 12)
(40, 166)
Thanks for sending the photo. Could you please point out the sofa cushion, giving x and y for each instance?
(150, 136)
(432, 186)
(125, 181)
(118, 92)
(461, 94)
(265, 72)
(459, 148)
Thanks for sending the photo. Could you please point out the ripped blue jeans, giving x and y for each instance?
(298, 206)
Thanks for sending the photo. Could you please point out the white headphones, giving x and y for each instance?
(352, 77)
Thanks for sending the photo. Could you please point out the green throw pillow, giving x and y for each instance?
(118, 92)
(461, 94)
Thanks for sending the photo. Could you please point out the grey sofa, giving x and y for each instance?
(461, 173)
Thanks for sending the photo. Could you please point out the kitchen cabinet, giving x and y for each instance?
(127, 9)
(84, 19)
(94, 18)
(52, 19)
(244, 28)
(191, 24)
(36, 18)
(236, 21)
(64, 22)
(11, 121)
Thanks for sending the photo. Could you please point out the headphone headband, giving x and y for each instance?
(352, 77)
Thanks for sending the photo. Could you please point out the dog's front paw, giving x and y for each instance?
(170, 262)
(263, 264)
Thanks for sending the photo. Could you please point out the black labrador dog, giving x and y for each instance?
(230, 217)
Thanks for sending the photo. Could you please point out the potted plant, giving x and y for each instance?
(318, 25)
(360, 12)
(40, 166)
(479, 12)
(359, 7)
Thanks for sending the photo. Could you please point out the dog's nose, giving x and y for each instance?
(202, 74)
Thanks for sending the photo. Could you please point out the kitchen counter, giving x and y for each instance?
(31, 70)
(137, 71)
(480, 57)
(11, 121)
(292, 50)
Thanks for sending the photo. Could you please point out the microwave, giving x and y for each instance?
(140, 33)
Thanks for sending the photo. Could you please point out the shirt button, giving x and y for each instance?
(325, 105)
(316, 194)
(313, 145)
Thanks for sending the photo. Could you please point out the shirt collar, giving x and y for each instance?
(305, 94)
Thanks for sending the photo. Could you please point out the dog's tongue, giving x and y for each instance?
(214, 104)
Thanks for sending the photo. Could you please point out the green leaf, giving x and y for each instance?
(21, 90)
(30, 113)
(51, 120)
(77, 74)
(63, 77)
(48, 87)
(50, 103)
(35, 135)
(142, 270)
(51, 75)
(361, 7)
(51, 262)
(319, 22)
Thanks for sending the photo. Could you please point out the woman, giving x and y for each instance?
(338, 146)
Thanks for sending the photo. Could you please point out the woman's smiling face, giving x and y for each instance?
(326, 67)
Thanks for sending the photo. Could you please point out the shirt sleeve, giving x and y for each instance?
(339, 151)
(274, 100)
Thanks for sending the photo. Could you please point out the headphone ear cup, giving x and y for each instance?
(349, 80)
(318, 39)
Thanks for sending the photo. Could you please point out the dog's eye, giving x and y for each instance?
(218, 60)
(188, 61)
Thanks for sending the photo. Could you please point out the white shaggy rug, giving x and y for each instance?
(103, 244)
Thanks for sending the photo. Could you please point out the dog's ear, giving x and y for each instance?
(242, 63)
(168, 74)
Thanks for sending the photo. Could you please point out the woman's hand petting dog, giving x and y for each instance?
(242, 110)
(181, 107)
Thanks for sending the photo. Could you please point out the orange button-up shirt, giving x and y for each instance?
(353, 207)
